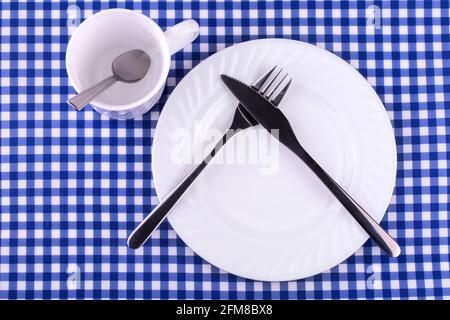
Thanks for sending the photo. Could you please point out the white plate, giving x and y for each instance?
(277, 223)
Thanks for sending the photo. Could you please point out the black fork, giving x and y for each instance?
(242, 119)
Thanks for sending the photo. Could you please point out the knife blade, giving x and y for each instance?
(274, 121)
(270, 117)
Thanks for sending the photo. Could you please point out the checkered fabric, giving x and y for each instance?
(74, 184)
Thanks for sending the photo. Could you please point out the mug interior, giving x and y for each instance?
(104, 36)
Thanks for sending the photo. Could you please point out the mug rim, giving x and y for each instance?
(162, 77)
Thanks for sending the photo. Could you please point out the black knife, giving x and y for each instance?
(274, 121)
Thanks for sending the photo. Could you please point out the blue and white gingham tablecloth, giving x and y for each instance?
(74, 184)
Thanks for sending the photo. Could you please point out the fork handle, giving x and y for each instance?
(375, 231)
(145, 229)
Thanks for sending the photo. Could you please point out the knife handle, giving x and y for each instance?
(373, 229)
(145, 229)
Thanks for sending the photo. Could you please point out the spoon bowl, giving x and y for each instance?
(131, 66)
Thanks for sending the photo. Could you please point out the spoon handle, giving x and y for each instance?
(80, 100)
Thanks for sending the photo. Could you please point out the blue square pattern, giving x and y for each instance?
(74, 184)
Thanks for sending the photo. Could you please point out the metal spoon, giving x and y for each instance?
(130, 66)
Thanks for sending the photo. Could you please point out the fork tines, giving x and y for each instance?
(268, 84)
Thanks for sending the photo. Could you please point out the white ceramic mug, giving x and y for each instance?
(102, 37)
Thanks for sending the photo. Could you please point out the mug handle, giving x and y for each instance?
(181, 34)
